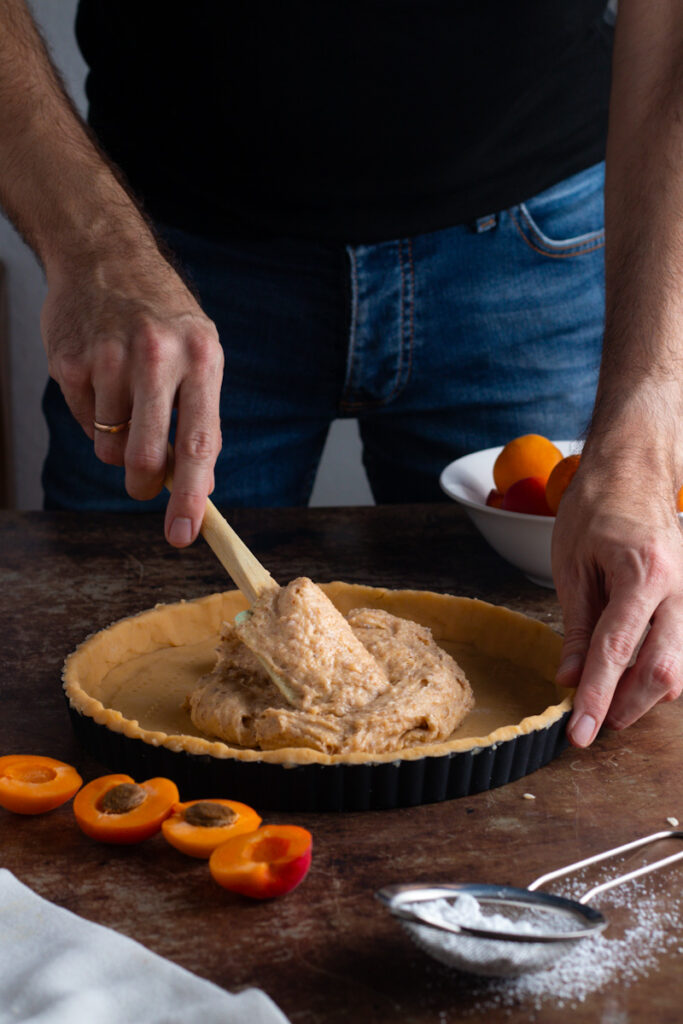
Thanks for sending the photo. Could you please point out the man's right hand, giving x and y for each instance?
(126, 340)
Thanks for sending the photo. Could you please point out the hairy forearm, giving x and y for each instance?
(641, 380)
(55, 185)
(125, 339)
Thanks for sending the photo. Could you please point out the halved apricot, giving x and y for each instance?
(269, 862)
(32, 784)
(197, 827)
(116, 809)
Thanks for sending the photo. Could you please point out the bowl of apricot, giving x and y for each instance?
(511, 493)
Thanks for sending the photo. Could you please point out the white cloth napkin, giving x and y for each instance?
(57, 968)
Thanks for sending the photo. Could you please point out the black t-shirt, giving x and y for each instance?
(351, 121)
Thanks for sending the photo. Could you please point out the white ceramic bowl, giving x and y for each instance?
(520, 538)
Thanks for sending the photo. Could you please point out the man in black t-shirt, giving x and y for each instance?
(362, 125)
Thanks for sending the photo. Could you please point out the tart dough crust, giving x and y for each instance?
(170, 647)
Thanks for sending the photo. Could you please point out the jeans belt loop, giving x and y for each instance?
(486, 223)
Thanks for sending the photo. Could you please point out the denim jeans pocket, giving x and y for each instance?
(566, 219)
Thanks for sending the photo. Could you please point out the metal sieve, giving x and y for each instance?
(538, 927)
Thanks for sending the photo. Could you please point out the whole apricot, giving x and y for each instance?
(530, 455)
(527, 495)
(559, 479)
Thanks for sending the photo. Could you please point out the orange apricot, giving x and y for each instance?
(680, 500)
(269, 862)
(559, 479)
(197, 827)
(31, 784)
(526, 456)
(115, 809)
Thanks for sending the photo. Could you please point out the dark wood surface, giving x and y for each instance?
(328, 952)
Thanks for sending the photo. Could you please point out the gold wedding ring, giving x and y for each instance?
(111, 428)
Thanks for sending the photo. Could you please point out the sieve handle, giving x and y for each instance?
(636, 844)
(630, 876)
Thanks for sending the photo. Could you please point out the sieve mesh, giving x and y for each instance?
(499, 957)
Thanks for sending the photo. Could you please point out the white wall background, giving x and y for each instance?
(341, 479)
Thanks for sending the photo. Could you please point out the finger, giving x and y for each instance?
(582, 604)
(197, 444)
(74, 379)
(614, 640)
(193, 480)
(146, 451)
(579, 623)
(113, 401)
(657, 674)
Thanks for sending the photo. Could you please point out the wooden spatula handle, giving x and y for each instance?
(244, 568)
(242, 565)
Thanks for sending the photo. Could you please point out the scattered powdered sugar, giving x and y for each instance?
(627, 955)
(644, 924)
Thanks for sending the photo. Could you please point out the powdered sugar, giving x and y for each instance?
(466, 910)
(645, 922)
(627, 953)
(494, 956)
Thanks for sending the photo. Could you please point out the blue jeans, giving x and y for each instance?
(439, 344)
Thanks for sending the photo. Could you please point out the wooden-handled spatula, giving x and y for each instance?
(244, 568)
(241, 564)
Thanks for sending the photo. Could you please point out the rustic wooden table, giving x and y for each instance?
(328, 952)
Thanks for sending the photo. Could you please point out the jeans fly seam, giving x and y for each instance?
(352, 329)
(398, 381)
(578, 250)
(351, 406)
(402, 327)
(411, 264)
